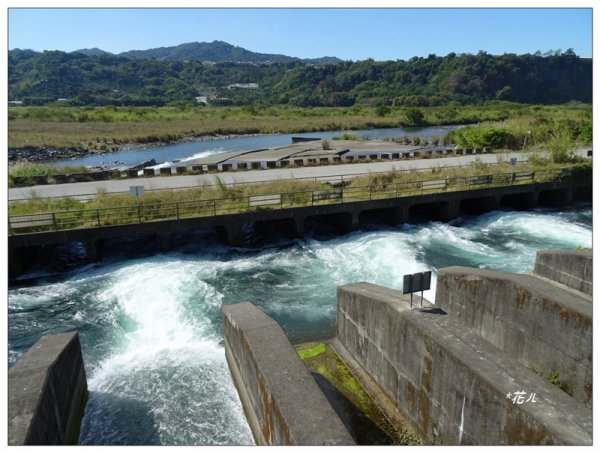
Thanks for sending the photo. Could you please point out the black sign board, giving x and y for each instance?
(421, 281)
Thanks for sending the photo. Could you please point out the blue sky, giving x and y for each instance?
(349, 34)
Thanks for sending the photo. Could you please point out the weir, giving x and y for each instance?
(479, 367)
(344, 216)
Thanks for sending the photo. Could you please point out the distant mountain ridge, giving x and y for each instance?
(216, 51)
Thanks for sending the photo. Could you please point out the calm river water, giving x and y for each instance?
(184, 151)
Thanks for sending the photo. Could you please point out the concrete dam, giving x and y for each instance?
(333, 207)
(470, 370)
(499, 359)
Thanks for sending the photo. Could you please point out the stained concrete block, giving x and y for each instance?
(47, 391)
(282, 402)
(544, 327)
(447, 380)
(569, 267)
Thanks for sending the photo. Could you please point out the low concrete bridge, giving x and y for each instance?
(343, 215)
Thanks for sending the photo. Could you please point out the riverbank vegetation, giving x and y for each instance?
(29, 170)
(496, 124)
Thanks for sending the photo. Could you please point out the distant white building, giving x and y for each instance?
(15, 102)
(201, 99)
(245, 86)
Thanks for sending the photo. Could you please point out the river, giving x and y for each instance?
(151, 330)
(194, 150)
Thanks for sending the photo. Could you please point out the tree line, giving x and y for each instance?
(78, 79)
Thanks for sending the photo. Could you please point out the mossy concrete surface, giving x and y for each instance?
(321, 359)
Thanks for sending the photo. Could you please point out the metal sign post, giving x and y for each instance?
(412, 283)
(137, 192)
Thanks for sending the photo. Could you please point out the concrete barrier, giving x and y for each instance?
(569, 267)
(47, 392)
(454, 386)
(281, 400)
(59, 179)
(544, 327)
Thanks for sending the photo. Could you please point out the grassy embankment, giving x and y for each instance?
(113, 209)
(109, 128)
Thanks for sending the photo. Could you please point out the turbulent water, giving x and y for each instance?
(151, 331)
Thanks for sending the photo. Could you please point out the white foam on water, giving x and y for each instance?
(31, 297)
(170, 358)
(165, 355)
(381, 258)
(558, 230)
(207, 153)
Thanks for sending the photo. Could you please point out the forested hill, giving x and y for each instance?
(101, 78)
(218, 52)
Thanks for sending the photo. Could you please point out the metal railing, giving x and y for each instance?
(157, 211)
(208, 180)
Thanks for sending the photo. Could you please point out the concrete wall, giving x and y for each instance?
(282, 402)
(434, 206)
(544, 327)
(569, 267)
(450, 382)
(47, 392)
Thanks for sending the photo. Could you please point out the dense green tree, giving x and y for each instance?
(101, 78)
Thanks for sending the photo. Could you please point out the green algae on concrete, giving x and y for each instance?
(322, 360)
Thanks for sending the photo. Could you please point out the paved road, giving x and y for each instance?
(333, 172)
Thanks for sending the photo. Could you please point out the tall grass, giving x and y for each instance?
(28, 169)
(224, 199)
(110, 127)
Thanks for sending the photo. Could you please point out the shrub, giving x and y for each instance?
(414, 117)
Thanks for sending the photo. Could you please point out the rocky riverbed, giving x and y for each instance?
(34, 154)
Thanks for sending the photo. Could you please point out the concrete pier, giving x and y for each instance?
(281, 400)
(545, 327)
(47, 392)
(454, 385)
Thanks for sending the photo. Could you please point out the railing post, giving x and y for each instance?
(177, 208)
(214, 207)
(98, 217)
(54, 221)
(139, 213)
